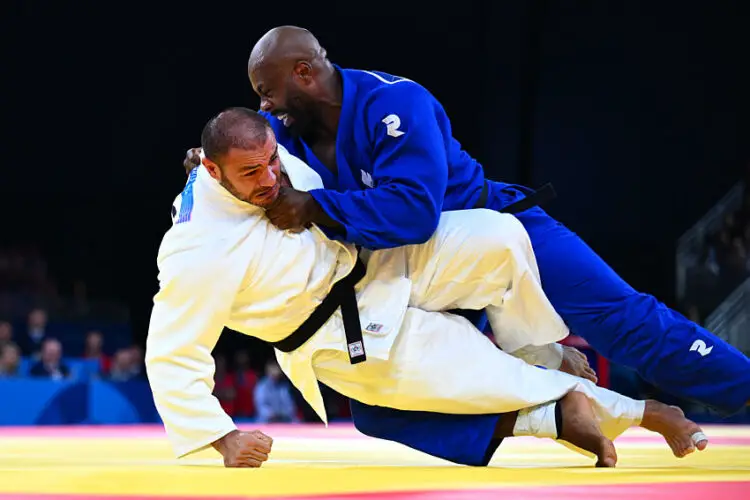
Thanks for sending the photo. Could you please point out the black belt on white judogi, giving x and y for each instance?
(342, 295)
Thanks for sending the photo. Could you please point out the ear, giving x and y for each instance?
(213, 169)
(304, 71)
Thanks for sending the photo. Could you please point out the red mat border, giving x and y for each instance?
(656, 491)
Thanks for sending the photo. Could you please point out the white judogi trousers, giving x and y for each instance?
(440, 362)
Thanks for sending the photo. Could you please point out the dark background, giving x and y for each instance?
(637, 112)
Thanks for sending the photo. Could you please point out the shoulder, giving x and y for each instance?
(382, 95)
(389, 89)
(187, 254)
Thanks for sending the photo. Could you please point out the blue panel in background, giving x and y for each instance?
(128, 402)
(43, 402)
(69, 402)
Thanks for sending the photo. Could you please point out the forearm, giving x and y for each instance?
(192, 416)
(379, 218)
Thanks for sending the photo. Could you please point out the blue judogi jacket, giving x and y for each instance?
(399, 166)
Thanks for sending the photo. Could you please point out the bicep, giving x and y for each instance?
(190, 310)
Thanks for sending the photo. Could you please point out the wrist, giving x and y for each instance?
(320, 216)
(220, 444)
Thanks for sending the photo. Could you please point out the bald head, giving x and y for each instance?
(296, 83)
(286, 45)
(240, 128)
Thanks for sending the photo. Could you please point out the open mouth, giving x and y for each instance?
(285, 118)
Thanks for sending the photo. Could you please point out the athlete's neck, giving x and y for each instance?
(329, 102)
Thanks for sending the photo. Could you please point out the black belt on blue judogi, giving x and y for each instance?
(539, 197)
(342, 295)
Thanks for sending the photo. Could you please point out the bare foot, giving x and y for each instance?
(670, 422)
(581, 429)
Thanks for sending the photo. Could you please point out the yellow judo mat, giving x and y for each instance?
(311, 461)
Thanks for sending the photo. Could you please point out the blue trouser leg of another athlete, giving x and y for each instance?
(627, 327)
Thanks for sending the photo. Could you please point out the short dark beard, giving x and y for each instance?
(305, 115)
(229, 187)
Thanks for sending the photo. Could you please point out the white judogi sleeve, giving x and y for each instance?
(197, 289)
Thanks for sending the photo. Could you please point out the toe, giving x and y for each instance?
(700, 440)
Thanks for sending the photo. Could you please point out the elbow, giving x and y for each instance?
(413, 230)
(151, 363)
(161, 372)
(423, 234)
(424, 226)
(155, 375)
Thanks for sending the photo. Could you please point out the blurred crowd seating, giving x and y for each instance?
(69, 340)
(64, 358)
(722, 265)
(43, 349)
(266, 396)
(46, 335)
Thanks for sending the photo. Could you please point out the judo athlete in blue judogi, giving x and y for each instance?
(384, 148)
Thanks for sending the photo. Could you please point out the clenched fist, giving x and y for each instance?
(244, 449)
(292, 210)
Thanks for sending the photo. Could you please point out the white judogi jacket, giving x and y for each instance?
(224, 264)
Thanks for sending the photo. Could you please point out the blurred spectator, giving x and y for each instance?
(138, 356)
(94, 350)
(224, 389)
(6, 333)
(50, 365)
(122, 367)
(273, 399)
(245, 381)
(10, 360)
(36, 333)
(723, 265)
(127, 364)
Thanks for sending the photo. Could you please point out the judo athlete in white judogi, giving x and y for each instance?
(222, 263)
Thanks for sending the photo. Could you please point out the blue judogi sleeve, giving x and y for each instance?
(409, 172)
